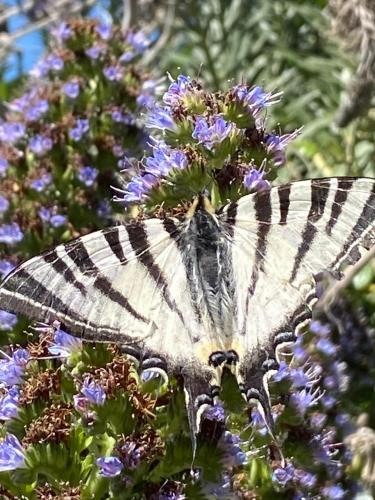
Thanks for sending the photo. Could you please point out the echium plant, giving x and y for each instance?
(62, 140)
(80, 421)
(214, 143)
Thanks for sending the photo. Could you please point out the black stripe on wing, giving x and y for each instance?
(22, 283)
(367, 214)
(341, 195)
(79, 255)
(112, 236)
(319, 196)
(141, 246)
(263, 216)
(63, 270)
(284, 202)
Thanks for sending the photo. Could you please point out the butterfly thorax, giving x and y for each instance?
(208, 260)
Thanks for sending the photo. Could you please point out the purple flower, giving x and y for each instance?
(88, 175)
(215, 413)
(7, 320)
(93, 392)
(41, 183)
(13, 368)
(12, 131)
(104, 209)
(253, 181)
(95, 51)
(71, 89)
(334, 492)
(40, 144)
(326, 347)
(283, 475)
(64, 344)
(4, 204)
(276, 144)
(58, 220)
(10, 233)
(138, 41)
(3, 166)
(113, 73)
(11, 454)
(109, 466)
(256, 99)
(62, 32)
(45, 214)
(138, 187)
(304, 399)
(9, 404)
(131, 455)
(37, 110)
(321, 329)
(127, 56)
(6, 267)
(212, 135)
(54, 62)
(104, 31)
(145, 101)
(82, 127)
(282, 373)
(176, 90)
(160, 118)
(233, 455)
(164, 160)
(305, 478)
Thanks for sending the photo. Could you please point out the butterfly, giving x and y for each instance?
(229, 288)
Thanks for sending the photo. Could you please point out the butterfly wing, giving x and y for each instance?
(281, 239)
(126, 284)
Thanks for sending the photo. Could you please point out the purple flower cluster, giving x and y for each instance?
(12, 455)
(9, 403)
(5, 267)
(88, 175)
(177, 90)
(51, 62)
(212, 134)
(255, 99)
(12, 368)
(4, 204)
(254, 181)
(91, 394)
(208, 132)
(71, 89)
(81, 127)
(11, 132)
(161, 163)
(64, 344)
(109, 466)
(41, 183)
(10, 233)
(55, 220)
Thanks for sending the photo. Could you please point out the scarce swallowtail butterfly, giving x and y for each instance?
(226, 288)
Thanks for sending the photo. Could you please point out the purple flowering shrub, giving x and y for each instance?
(83, 421)
(63, 138)
(203, 141)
